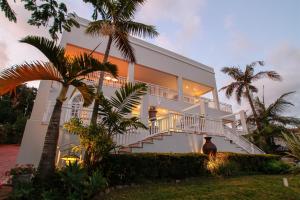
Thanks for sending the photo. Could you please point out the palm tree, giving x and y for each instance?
(242, 85)
(116, 24)
(65, 70)
(272, 121)
(8, 11)
(293, 143)
(97, 140)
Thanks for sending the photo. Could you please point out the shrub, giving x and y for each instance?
(276, 167)
(132, 168)
(72, 182)
(222, 166)
(128, 168)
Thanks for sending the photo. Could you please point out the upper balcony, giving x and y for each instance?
(165, 85)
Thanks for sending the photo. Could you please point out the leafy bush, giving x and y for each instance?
(222, 166)
(72, 182)
(132, 168)
(276, 167)
(128, 168)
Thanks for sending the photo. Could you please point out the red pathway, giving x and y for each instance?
(8, 156)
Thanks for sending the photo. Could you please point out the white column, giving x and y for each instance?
(216, 98)
(202, 107)
(243, 121)
(144, 109)
(180, 88)
(130, 73)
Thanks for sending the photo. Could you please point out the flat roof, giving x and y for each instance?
(84, 22)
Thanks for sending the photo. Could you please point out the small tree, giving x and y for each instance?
(97, 140)
(65, 70)
(116, 24)
(242, 84)
(43, 12)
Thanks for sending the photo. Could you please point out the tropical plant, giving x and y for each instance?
(242, 84)
(293, 143)
(97, 140)
(43, 12)
(116, 24)
(65, 70)
(272, 121)
(8, 11)
(15, 109)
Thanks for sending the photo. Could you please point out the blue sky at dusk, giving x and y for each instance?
(216, 33)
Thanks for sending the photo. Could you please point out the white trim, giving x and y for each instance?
(152, 47)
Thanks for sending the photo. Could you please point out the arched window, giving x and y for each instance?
(76, 106)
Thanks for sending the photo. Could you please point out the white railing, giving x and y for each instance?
(109, 80)
(159, 91)
(241, 141)
(188, 123)
(210, 103)
(69, 111)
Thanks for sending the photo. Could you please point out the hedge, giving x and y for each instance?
(134, 168)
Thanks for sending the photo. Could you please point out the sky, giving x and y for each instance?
(217, 33)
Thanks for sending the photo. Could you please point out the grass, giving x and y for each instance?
(259, 187)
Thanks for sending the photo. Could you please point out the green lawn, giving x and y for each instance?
(247, 187)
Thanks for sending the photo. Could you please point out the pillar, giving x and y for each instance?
(180, 88)
(216, 98)
(243, 121)
(144, 109)
(130, 73)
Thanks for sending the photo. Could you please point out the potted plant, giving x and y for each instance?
(21, 174)
(209, 148)
(152, 113)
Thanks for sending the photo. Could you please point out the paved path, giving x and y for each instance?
(8, 156)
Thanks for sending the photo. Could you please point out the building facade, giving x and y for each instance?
(176, 86)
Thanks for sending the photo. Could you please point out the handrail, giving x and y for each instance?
(242, 142)
(211, 104)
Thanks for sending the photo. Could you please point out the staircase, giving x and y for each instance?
(175, 124)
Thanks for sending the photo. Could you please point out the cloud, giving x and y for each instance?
(183, 16)
(284, 59)
(238, 42)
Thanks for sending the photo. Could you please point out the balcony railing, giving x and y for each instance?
(109, 80)
(211, 104)
(159, 91)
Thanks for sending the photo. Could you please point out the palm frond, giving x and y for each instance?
(280, 104)
(122, 42)
(234, 72)
(87, 91)
(86, 64)
(19, 74)
(53, 52)
(230, 88)
(267, 74)
(100, 28)
(8, 11)
(138, 29)
(239, 93)
(128, 97)
(125, 9)
(293, 143)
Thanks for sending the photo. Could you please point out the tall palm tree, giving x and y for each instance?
(65, 70)
(242, 84)
(8, 11)
(115, 120)
(116, 24)
(272, 121)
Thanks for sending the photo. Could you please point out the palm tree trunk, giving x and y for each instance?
(253, 109)
(100, 84)
(47, 162)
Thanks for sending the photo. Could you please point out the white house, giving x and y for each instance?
(176, 86)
